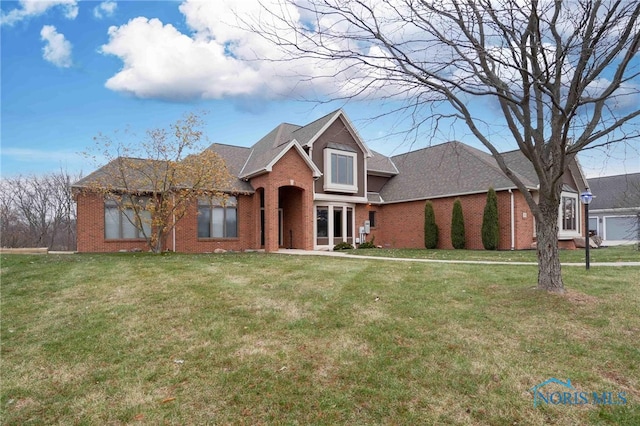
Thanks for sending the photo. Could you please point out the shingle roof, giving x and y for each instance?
(305, 134)
(125, 173)
(144, 175)
(519, 163)
(267, 148)
(271, 146)
(449, 169)
(235, 157)
(614, 192)
(380, 164)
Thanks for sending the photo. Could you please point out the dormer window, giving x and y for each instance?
(341, 174)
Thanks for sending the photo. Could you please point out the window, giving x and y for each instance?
(218, 217)
(337, 223)
(372, 219)
(334, 224)
(121, 223)
(322, 222)
(621, 228)
(569, 213)
(593, 225)
(341, 171)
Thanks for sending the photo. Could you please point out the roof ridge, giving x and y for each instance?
(227, 144)
(485, 157)
(427, 148)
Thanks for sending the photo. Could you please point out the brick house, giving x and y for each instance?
(311, 187)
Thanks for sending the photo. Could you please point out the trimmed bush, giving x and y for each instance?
(368, 244)
(342, 246)
(430, 227)
(490, 224)
(457, 226)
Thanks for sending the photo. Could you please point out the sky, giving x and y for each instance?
(71, 70)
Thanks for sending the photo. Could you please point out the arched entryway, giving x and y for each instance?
(292, 217)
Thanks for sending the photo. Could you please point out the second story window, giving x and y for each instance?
(340, 171)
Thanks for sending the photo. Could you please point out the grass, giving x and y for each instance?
(273, 339)
(627, 253)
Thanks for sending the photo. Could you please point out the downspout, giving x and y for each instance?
(513, 222)
(173, 229)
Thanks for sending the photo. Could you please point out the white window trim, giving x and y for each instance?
(330, 186)
(332, 240)
(569, 234)
(598, 226)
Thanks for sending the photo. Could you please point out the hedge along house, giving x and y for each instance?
(311, 187)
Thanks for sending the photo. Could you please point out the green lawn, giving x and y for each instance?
(274, 339)
(628, 253)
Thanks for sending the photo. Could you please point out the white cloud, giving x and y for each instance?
(31, 8)
(105, 9)
(57, 49)
(217, 60)
(159, 61)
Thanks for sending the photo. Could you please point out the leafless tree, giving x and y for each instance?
(38, 211)
(563, 75)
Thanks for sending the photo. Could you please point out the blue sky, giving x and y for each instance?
(72, 69)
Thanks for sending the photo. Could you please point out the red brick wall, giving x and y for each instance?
(401, 225)
(187, 240)
(90, 227)
(292, 174)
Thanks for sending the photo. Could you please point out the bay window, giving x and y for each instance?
(569, 213)
(340, 171)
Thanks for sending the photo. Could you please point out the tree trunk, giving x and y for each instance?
(549, 271)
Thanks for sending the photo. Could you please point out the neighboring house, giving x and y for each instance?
(614, 213)
(311, 187)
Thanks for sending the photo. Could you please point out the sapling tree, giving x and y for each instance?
(154, 181)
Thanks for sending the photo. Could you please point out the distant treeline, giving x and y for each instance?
(38, 211)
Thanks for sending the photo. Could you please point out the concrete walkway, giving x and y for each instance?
(469, 262)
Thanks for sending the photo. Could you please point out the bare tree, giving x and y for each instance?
(38, 211)
(564, 75)
(152, 182)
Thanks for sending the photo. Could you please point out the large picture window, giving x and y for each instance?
(340, 171)
(121, 223)
(218, 217)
